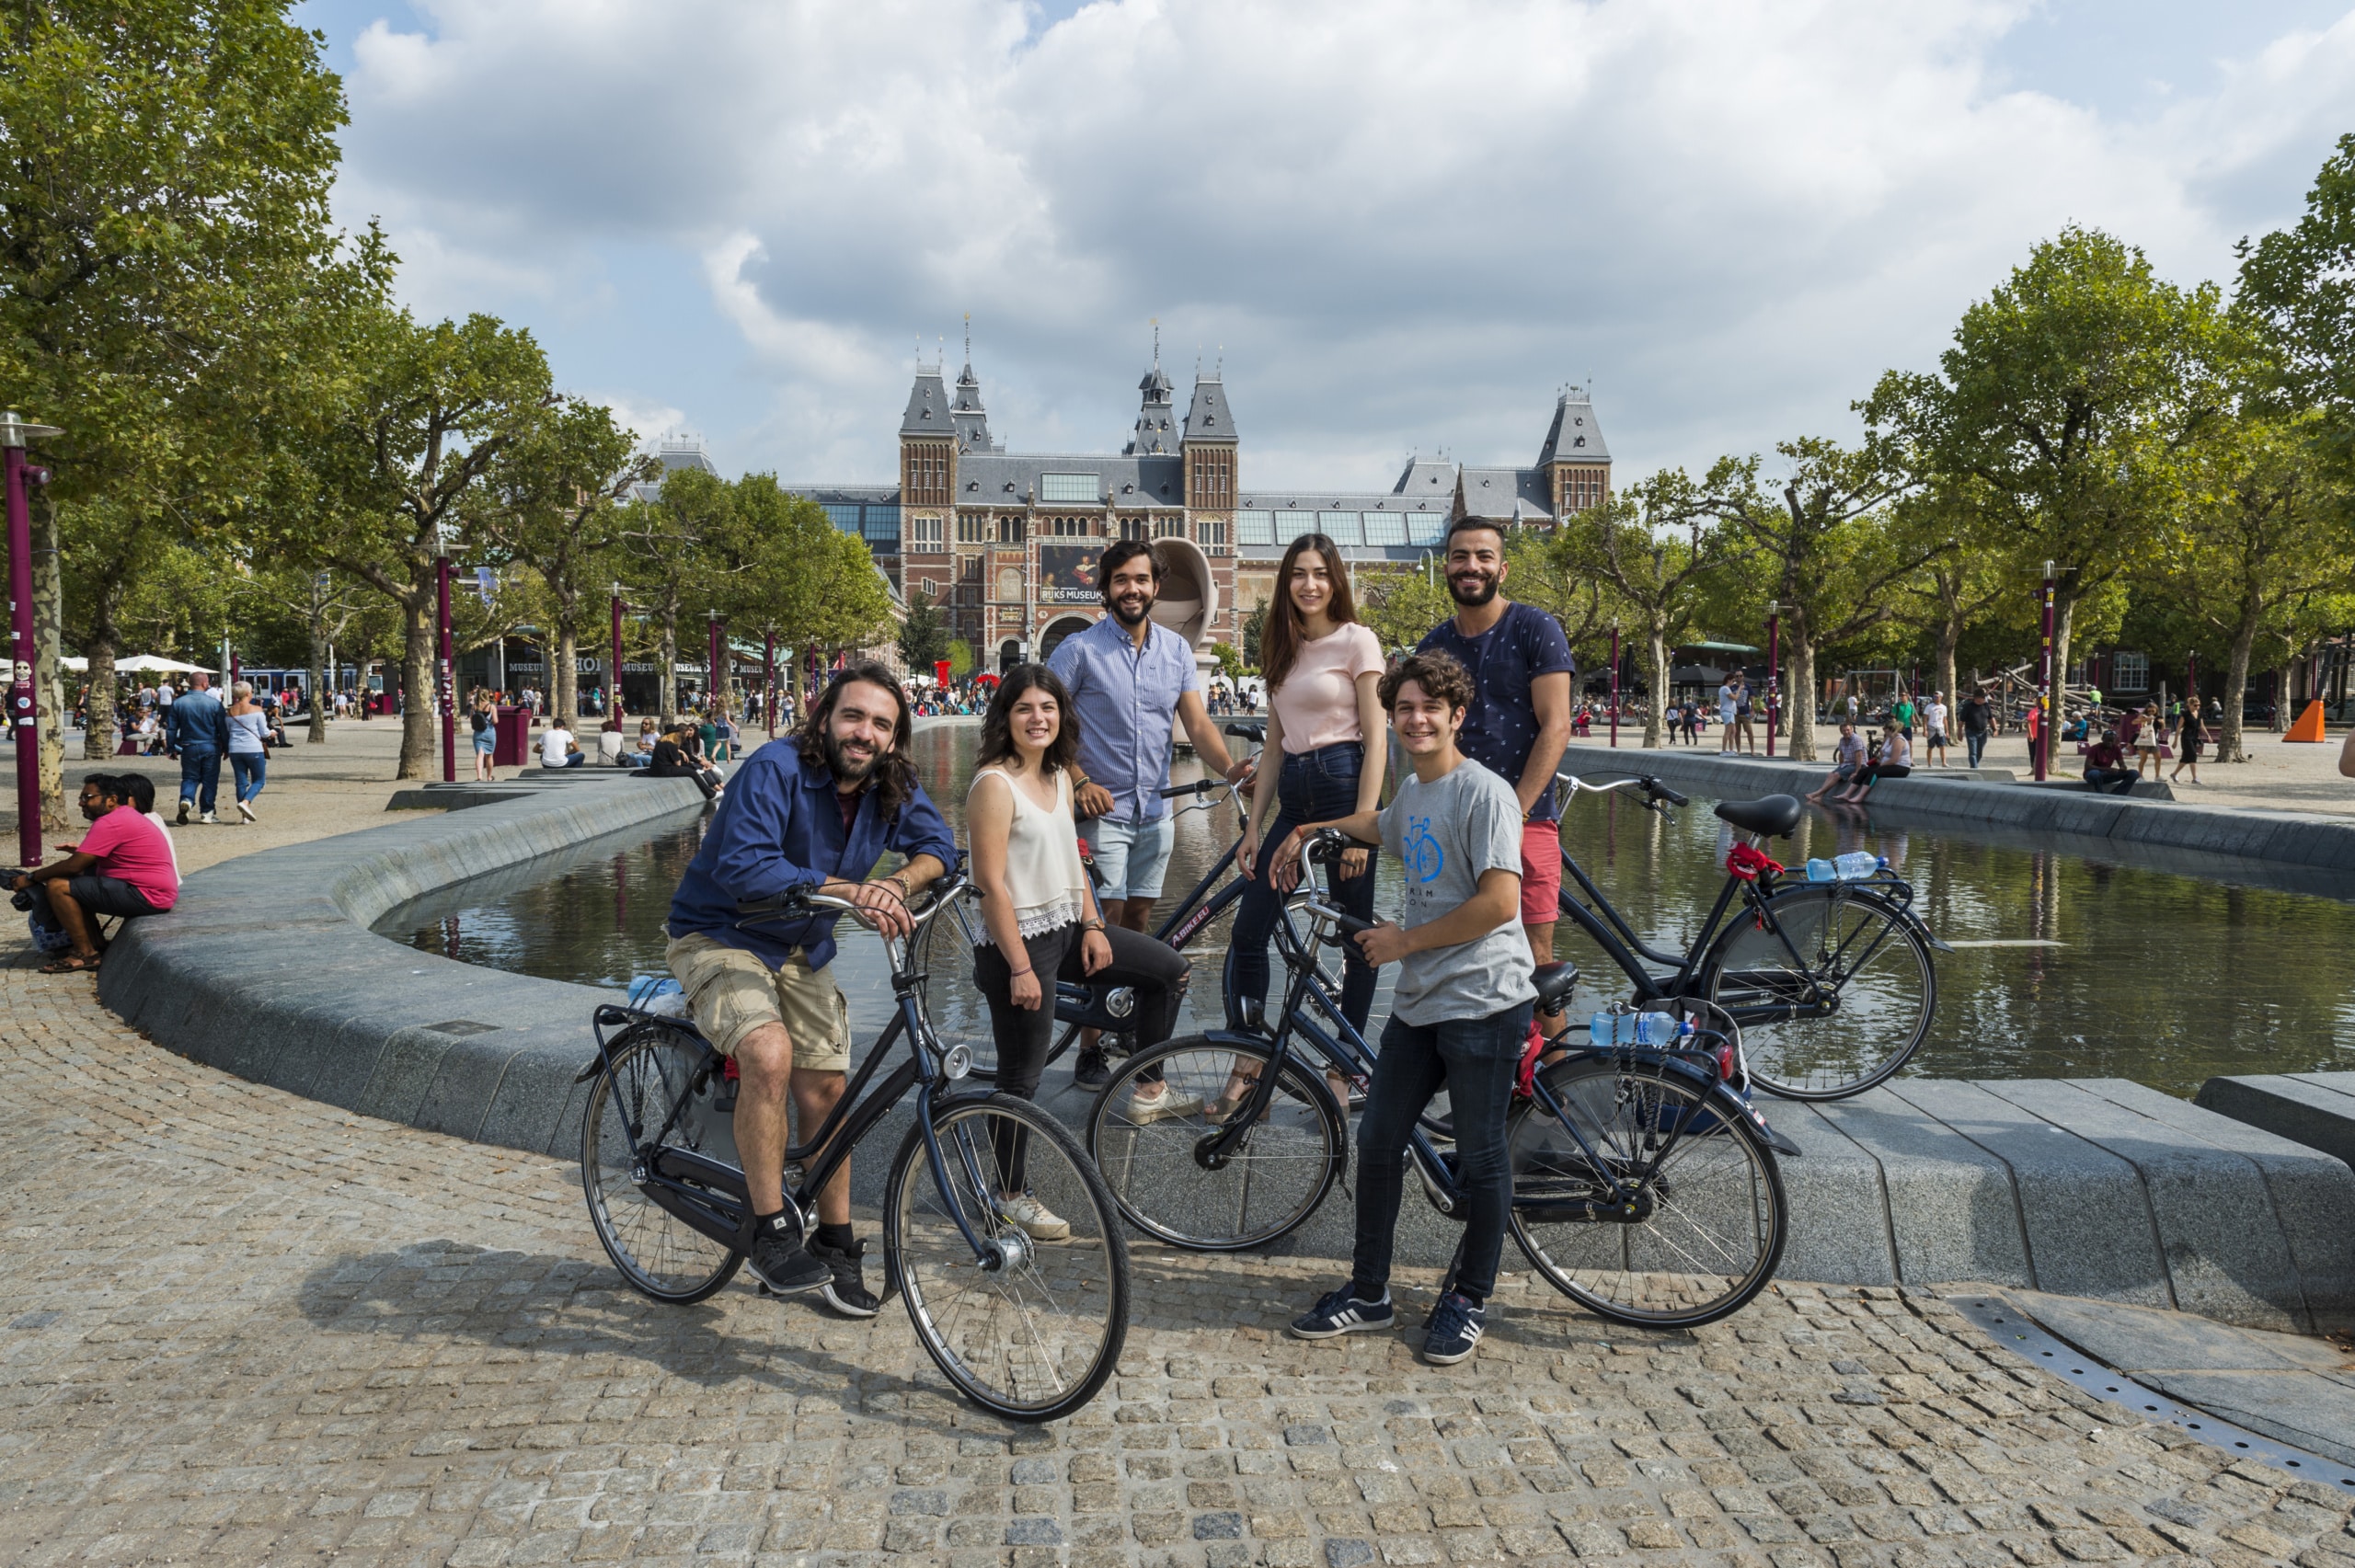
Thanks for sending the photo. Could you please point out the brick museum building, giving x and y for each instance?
(1005, 543)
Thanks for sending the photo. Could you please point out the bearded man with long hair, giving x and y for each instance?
(811, 813)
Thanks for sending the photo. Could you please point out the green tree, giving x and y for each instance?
(1254, 625)
(776, 563)
(2069, 399)
(1657, 546)
(1402, 607)
(1230, 661)
(924, 639)
(2297, 289)
(961, 659)
(167, 172)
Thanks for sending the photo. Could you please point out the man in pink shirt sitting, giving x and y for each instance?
(122, 867)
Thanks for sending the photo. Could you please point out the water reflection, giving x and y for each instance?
(2149, 974)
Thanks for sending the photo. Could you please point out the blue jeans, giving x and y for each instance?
(200, 776)
(1314, 786)
(1474, 1059)
(250, 770)
(1974, 746)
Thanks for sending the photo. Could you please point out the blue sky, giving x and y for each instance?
(1402, 226)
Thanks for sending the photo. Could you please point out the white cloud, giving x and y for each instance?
(1404, 223)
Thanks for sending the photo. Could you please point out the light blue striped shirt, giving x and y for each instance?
(1126, 701)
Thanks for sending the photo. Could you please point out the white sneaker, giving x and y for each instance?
(244, 811)
(1142, 1109)
(208, 817)
(1033, 1219)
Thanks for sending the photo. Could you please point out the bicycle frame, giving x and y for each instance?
(721, 1208)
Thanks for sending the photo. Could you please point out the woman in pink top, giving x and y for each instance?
(1326, 724)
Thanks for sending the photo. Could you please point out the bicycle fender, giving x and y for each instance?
(1751, 1114)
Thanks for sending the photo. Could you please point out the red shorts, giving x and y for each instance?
(1541, 873)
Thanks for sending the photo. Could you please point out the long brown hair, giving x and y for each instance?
(894, 777)
(997, 724)
(1287, 629)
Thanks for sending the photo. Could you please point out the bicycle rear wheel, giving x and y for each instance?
(1709, 1193)
(1031, 1333)
(1834, 994)
(1269, 1182)
(660, 1254)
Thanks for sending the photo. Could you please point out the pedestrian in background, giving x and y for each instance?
(248, 747)
(1934, 723)
(485, 719)
(1978, 723)
(196, 730)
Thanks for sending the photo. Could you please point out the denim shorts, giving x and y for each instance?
(1131, 856)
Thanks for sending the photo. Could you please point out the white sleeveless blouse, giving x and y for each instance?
(1043, 873)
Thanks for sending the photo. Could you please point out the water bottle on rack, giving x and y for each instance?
(1857, 864)
(1607, 1030)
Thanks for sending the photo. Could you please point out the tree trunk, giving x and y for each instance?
(49, 698)
(2228, 738)
(1655, 700)
(1798, 699)
(1949, 642)
(418, 706)
(566, 659)
(2065, 617)
(319, 696)
(98, 740)
(666, 701)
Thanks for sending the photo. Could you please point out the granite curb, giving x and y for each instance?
(2290, 838)
(267, 969)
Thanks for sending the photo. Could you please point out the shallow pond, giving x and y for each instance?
(2106, 960)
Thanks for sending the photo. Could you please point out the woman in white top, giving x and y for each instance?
(248, 747)
(1322, 666)
(1042, 919)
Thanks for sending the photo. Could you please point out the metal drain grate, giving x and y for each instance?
(2016, 1331)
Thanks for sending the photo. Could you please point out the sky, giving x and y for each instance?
(1393, 227)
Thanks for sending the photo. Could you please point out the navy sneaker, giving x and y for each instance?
(1342, 1311)
(1456, 1330)
(1091, 1071)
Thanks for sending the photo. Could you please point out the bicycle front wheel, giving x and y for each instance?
(1833, 990)
(655, 1068)
(1031, 1330)
(1709, 1220)
(1264, 1186)
(960, 1013)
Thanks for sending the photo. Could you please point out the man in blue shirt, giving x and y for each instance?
(810, 813)
(1520, 719)
(1131, 682)
(196, 730)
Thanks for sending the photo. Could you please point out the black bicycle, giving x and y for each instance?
(1027, 1329)
(1645, 1188)
(1078, 1006)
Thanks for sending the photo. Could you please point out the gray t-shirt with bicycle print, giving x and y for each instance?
(1445, 835)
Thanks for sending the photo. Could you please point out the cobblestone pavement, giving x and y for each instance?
(247, 1328)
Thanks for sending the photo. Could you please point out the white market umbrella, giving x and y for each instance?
(148, 663)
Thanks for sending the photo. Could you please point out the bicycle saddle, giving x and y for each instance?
(1554, 982)
(1774, 816)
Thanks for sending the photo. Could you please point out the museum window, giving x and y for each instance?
(1068, 488)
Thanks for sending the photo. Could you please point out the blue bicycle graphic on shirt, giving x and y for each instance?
(1420, 852)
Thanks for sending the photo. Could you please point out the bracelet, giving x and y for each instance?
(1018, 973)
(1096, 924)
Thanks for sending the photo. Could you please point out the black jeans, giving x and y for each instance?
(1155, 970)
(1314, 786)
(1474, 1060)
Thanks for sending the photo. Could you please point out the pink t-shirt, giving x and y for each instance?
(1318, 703)
(131, 849)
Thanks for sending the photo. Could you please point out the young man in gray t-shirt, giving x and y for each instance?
(1461, 1009)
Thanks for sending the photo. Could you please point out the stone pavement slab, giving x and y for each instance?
(2317, 1109)
(242, 1327)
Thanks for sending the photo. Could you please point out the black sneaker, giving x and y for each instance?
(1342, 1311)
(845, 1289)
(1091, 1070)
(786, 1266)
(1456, 1330)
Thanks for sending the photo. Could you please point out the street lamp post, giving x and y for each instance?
(711, 665)
(21, 477)
(1614, 683)
(444, 693)
(2048, 710)
(1773, 669)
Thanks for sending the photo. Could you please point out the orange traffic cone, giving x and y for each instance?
(2309, 724)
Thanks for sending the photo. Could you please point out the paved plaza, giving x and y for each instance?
(244, 1327)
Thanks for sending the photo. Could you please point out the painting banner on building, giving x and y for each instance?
(1067, 574)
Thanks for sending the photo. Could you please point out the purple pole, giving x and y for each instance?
(20, 686)
(1773, 677)
(1614, 685)
(768, 682)
(614, 702)
(442, 693)
(2047, 707)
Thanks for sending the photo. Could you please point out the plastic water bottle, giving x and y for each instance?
(1820, 870)
(1857, 864)
(1609, 1029)
(658, 994)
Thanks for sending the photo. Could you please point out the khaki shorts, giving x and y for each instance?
(733, 993)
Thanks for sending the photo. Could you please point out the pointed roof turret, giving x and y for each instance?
(928, 412)
(971, 420)
(1210, 420)
(1575, 437)
(1156, 430)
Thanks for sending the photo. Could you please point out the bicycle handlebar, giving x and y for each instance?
(1650, 787)
(1348, 923)
(1200, 786)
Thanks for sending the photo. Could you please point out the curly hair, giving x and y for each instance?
(1439, 676)
(894, 776)
(997, 724)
